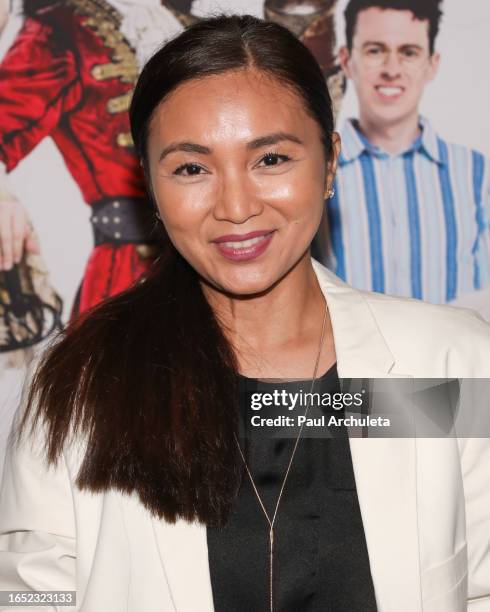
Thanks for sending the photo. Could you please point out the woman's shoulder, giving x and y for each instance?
(425, 314)
(426, 340)
(459, 336)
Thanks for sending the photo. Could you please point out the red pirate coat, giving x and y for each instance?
(69, 75)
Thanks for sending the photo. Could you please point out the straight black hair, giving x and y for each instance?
(148, 377)
(424, 10)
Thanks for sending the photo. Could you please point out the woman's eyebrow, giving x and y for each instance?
(272, 139)
(261, 141)
(190, 147)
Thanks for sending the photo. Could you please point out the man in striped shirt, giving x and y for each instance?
(411, 212)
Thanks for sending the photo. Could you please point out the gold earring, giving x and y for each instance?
(330, 193)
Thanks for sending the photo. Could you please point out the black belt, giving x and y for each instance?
(123, 220)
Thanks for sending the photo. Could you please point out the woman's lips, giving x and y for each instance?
(244, 248)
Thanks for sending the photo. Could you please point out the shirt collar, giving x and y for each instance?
(354, 143)
(430, 140)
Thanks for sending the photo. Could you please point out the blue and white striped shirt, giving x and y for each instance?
(413, 224)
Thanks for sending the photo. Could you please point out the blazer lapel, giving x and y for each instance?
(384, 469)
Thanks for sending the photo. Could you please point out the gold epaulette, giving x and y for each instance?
(105, 21)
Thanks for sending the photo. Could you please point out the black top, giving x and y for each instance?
(320, 556)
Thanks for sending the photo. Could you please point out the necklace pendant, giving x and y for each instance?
(271, 560)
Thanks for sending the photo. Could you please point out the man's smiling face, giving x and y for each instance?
(389, 63)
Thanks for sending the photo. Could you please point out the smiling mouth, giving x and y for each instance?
(243, 244)
(389, 92)
(244, 250)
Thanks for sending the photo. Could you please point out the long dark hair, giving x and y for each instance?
(148, 377)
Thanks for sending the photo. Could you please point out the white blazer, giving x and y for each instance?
(425, 503)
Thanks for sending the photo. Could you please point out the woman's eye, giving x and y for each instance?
(271, 159)
(192, 170)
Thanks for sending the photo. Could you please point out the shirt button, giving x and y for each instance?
(117, 235)
(105, 219)
(116, 204)
(117, 219)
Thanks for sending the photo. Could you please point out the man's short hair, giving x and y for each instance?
(424, 10)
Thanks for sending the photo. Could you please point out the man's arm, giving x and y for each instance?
(38, 84)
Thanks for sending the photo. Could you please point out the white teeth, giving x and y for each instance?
(390, 91)
(244, 243)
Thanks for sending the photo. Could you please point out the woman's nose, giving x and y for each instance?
(236, 200)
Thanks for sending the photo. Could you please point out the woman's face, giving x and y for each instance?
(239, 175)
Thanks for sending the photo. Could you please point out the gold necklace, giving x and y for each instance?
(271, 522)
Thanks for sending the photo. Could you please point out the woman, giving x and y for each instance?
(152, 498)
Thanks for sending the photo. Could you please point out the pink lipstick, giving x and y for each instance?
(244, 247)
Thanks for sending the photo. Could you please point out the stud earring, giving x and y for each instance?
(331, 193)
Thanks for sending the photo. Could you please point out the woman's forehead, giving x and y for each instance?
(232, 83)
(235, 104)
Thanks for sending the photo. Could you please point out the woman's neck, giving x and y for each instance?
(276, 334)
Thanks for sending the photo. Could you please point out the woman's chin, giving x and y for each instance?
(242, 285)
(246, 289)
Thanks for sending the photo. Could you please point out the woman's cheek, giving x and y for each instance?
(292, 186)
(182, 209)
(281, 189)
